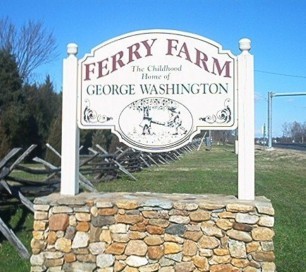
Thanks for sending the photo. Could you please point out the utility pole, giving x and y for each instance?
(270, 96)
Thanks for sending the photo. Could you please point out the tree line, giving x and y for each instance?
(294, 132)
(30, 113)
(27, 111)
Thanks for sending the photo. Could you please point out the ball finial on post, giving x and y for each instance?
(245, 45)
(72, 49)
(246, 148)
(70, 130)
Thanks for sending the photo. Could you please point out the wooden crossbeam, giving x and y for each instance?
(22, 157)
(9, 156)
(121, 167)
(17, 194)
(13, 239)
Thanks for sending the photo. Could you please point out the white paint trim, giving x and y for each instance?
(246, 146)
(70, 130)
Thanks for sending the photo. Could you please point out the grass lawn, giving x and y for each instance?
(280, 176)
(21, 221)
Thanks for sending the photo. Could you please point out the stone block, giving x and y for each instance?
(129, 233)
(115, 248)
(155, 252)
(201, 263)
(240, 235)
(193, 235)
(37, 246)
(237, 249)
(190, 248)
(136, 247)
(41, 207)
(105, 260)
(63, 245)
(129, 204)
(136, 261)
(199, 216)
(39, 225)
(97, 248)
(80, 240)
(107, 211)
(208, 242)
(153, 240)
(246, 218)
(179, 219)
(172, 248)
(266, 221)
(224, 224)
(119, 228)
(83, 226)
(264, 256)
(101, 221)
(58, 222)
(239, 207)
(262, 234)
(83, 217)
(128, 219)
(176, 229)
(151, 229)
(184, 267)
(61, 209)
(37, 259)
(40, 215)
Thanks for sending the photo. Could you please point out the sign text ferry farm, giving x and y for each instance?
(157, 89)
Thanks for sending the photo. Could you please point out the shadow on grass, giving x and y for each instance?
(14, 216)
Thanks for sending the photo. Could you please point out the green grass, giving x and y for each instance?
(21, 221)
(202, 172)
(280, 176)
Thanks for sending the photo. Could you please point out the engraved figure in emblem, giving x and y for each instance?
(172, 123)
(175, 121)
(146, 121)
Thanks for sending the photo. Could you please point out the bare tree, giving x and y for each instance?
(296, 131)
(303, 132)
(32, 45)
(286, 130)
(7, 35)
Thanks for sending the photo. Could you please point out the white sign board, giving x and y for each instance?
(157, 89)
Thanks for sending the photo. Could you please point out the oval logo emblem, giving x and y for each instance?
(155, 123)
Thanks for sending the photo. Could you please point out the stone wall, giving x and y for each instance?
(152, 232)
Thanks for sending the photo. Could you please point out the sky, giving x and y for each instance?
(275, 28)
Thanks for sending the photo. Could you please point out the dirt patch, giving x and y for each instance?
(280, 153)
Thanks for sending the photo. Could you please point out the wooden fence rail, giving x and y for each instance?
(99, 164)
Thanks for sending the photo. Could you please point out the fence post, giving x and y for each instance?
(246, 146)
(70, 130)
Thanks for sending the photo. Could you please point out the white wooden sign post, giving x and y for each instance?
(246, 148)
(70, 130)
(156, 90)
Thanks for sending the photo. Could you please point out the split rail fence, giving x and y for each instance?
(21, 182)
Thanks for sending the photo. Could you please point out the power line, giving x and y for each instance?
(279, 74)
